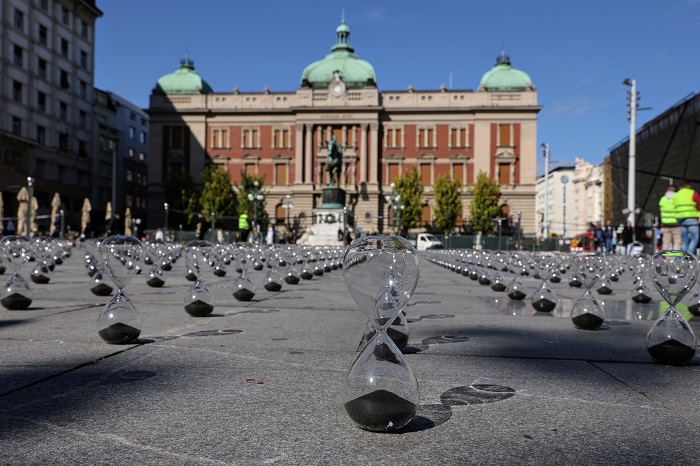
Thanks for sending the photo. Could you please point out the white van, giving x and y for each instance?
(425, 241)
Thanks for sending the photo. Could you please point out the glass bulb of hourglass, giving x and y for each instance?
(16, 251)
(587, 313)
(200, 256)
(291, 272)
(381, 392)
(156, 251)
(120, 322)
(544, 299)
(273, 280)
(671, 340)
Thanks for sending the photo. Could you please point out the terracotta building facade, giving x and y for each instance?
(283, 137)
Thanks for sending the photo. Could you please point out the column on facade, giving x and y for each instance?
(363, 153)
(299, 154)
(308, 155)
(373, 152)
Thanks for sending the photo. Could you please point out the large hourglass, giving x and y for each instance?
(587, 312)
(381, 392)
(120, 322)
(16, 295)
(671, 340)
(200, 256)
(544, 299)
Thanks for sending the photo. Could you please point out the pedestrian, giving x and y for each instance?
(270, 237)
(115, 226)
(627, 237)
(244, 226)
(159, 234)
(10, 228)
(599, 238)
(686, 203)
(202, 226)
(609, 235)
(670, 233)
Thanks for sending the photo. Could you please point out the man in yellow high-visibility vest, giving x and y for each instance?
(687, 205)
(670, 233)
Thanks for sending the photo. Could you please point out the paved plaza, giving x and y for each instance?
(260, 382)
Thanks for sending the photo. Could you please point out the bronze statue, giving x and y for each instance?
(334, 161)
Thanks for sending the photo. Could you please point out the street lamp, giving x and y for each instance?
(287, 205)
(30, 194)
(546, 190)
(165, 227)
(255, 196)
(632, 164)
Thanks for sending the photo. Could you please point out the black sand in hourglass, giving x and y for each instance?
(272, 286)
(291, 278)
(15, 302)
(639, 295)
(587, 321)
(672, 352)
(243, 294)
(574, 282)
(694, 309)
(190, 276)
(101, 289)
(380, 410)
(543, 304)
(199, 308)
(40, 274)
(119, 333)
(155, 282)
(517, 295)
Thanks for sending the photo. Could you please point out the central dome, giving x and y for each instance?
(504, 78)
(185, 80)
(342, 63)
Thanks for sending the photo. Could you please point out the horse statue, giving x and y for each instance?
(334, 161)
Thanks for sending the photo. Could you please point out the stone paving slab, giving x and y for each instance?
(260, 382)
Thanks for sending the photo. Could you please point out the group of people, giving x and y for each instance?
(679, 212)
(606, 239)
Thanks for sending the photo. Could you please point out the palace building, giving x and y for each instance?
(283, 137)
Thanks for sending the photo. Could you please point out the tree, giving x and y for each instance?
(182, 198)
(217, 196)
(246, 187)
(448, 204)
(410, 189)
(485, 207)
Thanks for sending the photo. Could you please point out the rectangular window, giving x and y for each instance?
(18, 55)
(82, 117)
(393, 173)
(458, 172)
(425, 174)
(281, 174)
(142, 137)
(62, 110)
(339, 134)
(250, 138)
(41, 101)
(84, 29)
(249, 169)
(17, 91)
(83, 60)
(132, 132)
(504, 135)
(44, 4)
(65, 15)
(82, 149)
(131, 152)
(19, 20)
(458, 137)
(42, 68)
(142, 157)
(64, 48)
(394, 137)
(425, 137)
(280, 138)
(63, 141)
(43, 35)
(64, 82)
(219, 138)
(129, 175)
(16, 126)
(83, 89)
(504, 173)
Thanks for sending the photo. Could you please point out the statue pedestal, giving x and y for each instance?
(333, 198)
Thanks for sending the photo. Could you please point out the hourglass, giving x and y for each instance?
(671, 340)
(291, 274)
(16, 295)
(120, 322)
(273, 280)
(381, 392)
(544, 299)
(156, 251)
(200, 256)
(516, 289)
(243, 287)
(587, 312)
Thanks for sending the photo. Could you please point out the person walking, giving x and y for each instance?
(670, 233)
(244, 226)
(627, 237)
(599, 238)
(202, 226)
(609, 235)
(686, 203)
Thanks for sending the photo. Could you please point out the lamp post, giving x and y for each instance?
(545, 230)
(114, 177)
(255, 196)
(632, 164)
(165, 227)
(30, 194)
(287, 206)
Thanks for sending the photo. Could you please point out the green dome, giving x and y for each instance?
(503, 77)
(342, 62)
(183, 81)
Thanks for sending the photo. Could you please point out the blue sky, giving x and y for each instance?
(577, 53)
